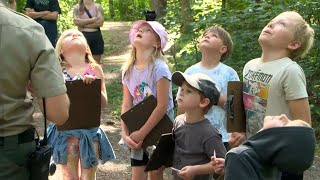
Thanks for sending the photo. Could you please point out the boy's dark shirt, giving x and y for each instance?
(195, 144)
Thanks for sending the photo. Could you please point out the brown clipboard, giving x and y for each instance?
(138, 115)
(85, 105)
(236, 118)
(163, 154)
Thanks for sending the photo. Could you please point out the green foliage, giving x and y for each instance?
(66, 17)
(244, 20)
(129, 10)
(20, 5)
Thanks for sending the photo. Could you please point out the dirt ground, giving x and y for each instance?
(119, 169)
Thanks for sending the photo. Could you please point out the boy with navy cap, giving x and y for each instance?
(196, 140)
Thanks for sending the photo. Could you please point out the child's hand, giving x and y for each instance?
(137, 136)
(186, 172)
(88, 79)
(131, 143)
(218, 165)
(236, 139)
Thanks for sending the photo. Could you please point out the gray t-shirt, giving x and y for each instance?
(195, 144)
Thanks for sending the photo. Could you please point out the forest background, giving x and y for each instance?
(185, 21)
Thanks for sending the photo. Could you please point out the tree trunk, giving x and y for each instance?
(159, 6)
(186, 14)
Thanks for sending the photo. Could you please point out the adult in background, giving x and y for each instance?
(45, 12)
(88, 16)
(26, 56)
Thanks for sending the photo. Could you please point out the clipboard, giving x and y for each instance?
(236, 118)
(85, 105)
(138, 115)
(163, 154)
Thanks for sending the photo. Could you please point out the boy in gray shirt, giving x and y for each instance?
(195, 139)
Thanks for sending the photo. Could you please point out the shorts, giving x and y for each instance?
(142, 162)
(95, 42)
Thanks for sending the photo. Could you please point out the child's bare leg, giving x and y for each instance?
(156, 175)
(138, 173)
(90, 173)
(70, 170)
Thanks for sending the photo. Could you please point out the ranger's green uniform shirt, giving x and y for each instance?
(25, 54)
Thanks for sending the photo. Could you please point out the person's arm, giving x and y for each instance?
(81, 22)
(127, 105)
(294, 87)
(104, 97)
(299, 109)
(34, 14)
(188, 172)
(98, 23)
(51, 16)
(236, 139)
(100, 19)
(222, 101)
(160, 110)
(218, 164)
(54, 105)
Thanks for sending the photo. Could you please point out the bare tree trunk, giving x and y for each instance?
(159, 6)
(185, 12)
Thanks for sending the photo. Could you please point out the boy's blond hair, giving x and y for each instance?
(298, 122)
(225, 37)
(303, 33)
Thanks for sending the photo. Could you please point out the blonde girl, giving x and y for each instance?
(146, 73)
(79, 151)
